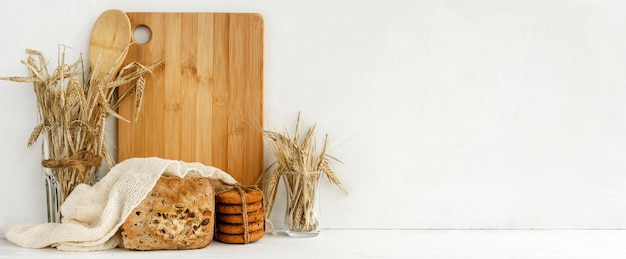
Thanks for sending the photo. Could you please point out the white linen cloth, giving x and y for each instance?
(92, 215)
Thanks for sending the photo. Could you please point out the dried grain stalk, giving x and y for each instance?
(72, 110)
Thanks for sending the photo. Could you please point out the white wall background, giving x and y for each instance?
(447, 114)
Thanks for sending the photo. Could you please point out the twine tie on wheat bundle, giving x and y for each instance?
(80, 161)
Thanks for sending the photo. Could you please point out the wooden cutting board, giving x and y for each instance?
(205, 104)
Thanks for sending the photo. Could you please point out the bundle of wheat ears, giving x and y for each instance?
(300, 165)
(72, 111)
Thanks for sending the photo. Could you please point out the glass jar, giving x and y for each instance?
(302, 216)
(61, 179)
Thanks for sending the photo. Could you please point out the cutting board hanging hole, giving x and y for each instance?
(142, 34)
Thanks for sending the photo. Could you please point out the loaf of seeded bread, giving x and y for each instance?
(177, 214)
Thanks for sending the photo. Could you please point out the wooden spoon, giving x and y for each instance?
(110, 37)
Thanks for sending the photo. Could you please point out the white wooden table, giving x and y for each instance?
(385, 244)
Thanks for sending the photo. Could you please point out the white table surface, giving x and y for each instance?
(385, 244)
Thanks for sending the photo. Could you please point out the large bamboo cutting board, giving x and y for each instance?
(205, 103)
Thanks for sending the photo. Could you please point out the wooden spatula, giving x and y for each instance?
(110, 37)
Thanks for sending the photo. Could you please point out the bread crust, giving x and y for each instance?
(179, 213)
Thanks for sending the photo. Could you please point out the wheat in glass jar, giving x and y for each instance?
(302, 217)
(300, 165)
(72, 110)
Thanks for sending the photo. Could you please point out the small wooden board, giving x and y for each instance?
(205, 104)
